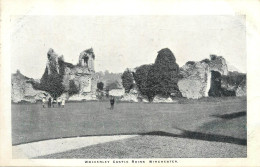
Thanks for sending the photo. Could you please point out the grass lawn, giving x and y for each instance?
(202, 120)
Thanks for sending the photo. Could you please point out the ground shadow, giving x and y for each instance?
(200, 136)
(184, 134)
(231, 115)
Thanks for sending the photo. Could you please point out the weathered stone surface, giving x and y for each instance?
(81, 97)
(195, 78)
(84, 80)
(23, 91)
(64, 96)
(160, 99)
(117, 92)
(218, 63)
(129, 97)
(86, 59)
(52, 62)
(194, 81)
(132, 96)
(241, 90)
(82, 75)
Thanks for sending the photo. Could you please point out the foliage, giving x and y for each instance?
(163, 75)
(112, 85)
(213, 57)
(140, 77)
(73, 88)
(52, 83)
(190, 62)
(234, 78)
(109, 77)
(127, 80)
(207, 61)
(100, 85)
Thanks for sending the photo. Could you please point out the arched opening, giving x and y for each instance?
(85, 58)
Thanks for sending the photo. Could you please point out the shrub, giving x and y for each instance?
(205, 61)
(213, 57)
(190, 62)
(127, 80)
(100, 85)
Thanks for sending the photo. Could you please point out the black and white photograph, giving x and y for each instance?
(128, 89)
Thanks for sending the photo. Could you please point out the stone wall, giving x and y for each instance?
(83, 76)
(218, 63)
(85, 81)
(23, 91)
(196, 78)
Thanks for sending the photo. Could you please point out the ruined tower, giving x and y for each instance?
(52, 62)
(86, 59)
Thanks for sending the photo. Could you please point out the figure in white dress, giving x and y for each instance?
(43, 102)
(63, 103)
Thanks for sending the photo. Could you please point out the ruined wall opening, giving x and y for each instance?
(85, 59)
(216, 90)
(215, 84)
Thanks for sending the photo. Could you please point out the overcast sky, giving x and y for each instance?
(121, 42)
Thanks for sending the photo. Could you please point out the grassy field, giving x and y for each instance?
(221, 120)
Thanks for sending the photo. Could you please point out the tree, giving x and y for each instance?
(140, 77)
(73, 88)
(163, 75)
(51, 83)
(112, 85)
(127, 80)
(100, 85)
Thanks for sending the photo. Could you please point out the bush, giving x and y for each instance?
(100, 85)
(213, 57)
(127, 80)
(190, 62)
(207, 61)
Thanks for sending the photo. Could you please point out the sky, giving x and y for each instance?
(121, 42)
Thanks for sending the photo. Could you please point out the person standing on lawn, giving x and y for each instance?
(53, 101)
(49, 102)
(43, 102)
(112, 102)
(59, 101)
(63, 102)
